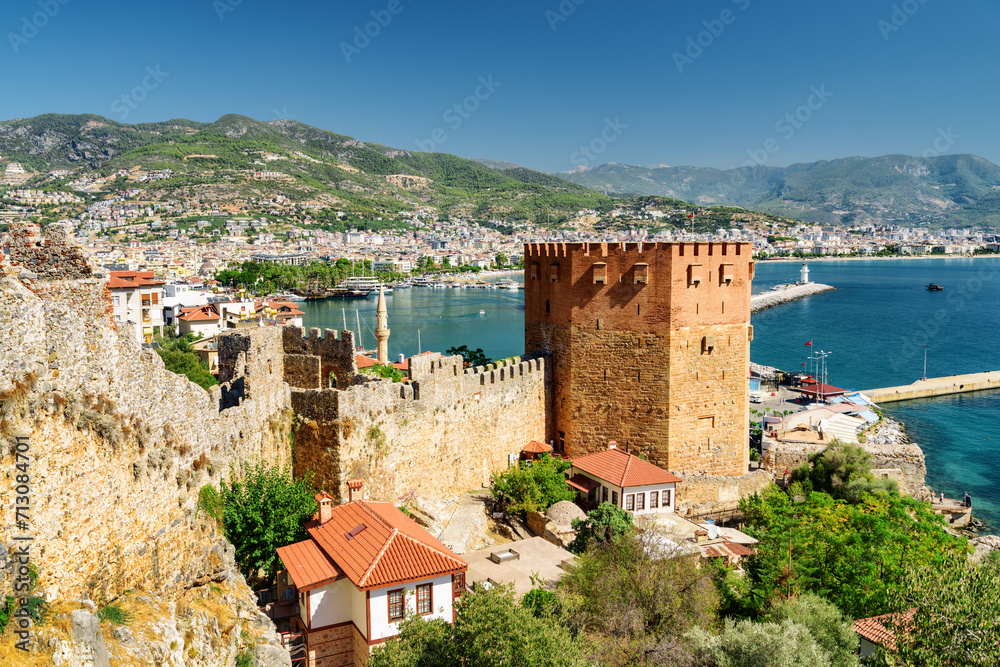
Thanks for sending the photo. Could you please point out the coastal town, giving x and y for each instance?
(430, 500)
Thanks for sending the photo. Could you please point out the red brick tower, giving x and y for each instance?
(650, 346)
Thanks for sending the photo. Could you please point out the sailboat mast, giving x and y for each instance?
(361, 343)
(419, 351)
(343, 311)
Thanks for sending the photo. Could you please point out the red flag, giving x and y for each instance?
(809, 343)
(803, 364)
(690, 215)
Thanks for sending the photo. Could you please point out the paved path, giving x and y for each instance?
(955, 384)
(467, 523)
(771, 298)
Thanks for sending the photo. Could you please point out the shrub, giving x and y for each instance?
(532, 488)
(115, 614)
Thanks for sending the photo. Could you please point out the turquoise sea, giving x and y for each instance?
(874, 327)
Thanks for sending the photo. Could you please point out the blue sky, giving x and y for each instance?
(548, 84)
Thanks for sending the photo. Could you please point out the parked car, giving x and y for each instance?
(756, 398)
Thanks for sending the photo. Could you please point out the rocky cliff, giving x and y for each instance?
(102, 452)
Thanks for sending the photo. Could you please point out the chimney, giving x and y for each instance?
(354, 490)
(700, 535)
(325, 507)
(612, 445)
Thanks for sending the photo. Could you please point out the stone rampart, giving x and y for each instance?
(442, 433)
(52, 257)
(703, 494)
(902, 462)
(119, 445)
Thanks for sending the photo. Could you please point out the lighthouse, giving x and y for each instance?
(804, 274)
(382, 328)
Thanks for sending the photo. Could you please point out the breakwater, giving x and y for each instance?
(955, 384)
(784, 294)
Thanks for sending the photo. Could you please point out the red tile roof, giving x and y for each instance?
(726, 549)
(132, 279)
(368, 362)
(582, 482)
(198, 314)
(308, 566)
(873, 630)
(623, 469)
(390, 549)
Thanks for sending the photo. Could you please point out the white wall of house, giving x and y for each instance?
(613, 491)
(204, 327)
(337, 602)
(379, 600)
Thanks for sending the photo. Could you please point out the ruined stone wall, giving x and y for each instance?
(441, 434)
(650, 347)
(119, 445)
(53, 257)
(700, 494)
(907, 460)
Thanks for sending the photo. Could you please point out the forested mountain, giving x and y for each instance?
(951, 190)
(319, 165)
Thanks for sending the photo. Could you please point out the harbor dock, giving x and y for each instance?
(955, 384)
(784, 294)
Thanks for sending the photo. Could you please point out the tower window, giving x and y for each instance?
(707, 344)
(694, 274)
(641, 273)
(533, 271)
(726, 274)
(600, 273)
(554, 273)
(547, 307)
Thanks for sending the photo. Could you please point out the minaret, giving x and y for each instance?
(804, 274)
(382, 329)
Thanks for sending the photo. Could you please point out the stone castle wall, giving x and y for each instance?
(442, 433)
(119, 445)
(650, 347)
(902, 462)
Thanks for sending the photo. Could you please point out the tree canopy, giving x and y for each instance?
(263, 510)
(605, 523)
(471, 357)
(491, 630)
(532, 486)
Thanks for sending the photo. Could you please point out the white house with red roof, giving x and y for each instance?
(365, 567)
(624, 480)
(200, 320)
(136, 302)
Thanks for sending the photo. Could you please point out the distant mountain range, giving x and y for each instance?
(950, 190)
(213, 161)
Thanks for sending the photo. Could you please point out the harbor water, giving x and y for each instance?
(874, 327)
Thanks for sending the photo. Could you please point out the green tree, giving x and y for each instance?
(956, 619)
(605, 523)
(501, 259)
(852, 554)
(532, 488)
(387, 371)
(747, 644)
(491, 630)
(832, 631)
(471, 357)
(636, 599)
(262, 510)
(844, 471)
(178, 357)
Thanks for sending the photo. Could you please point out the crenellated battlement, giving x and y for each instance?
(54, 257)
(603, 250)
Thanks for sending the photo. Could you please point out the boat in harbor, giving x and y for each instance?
(933, 287)
(286, 297)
